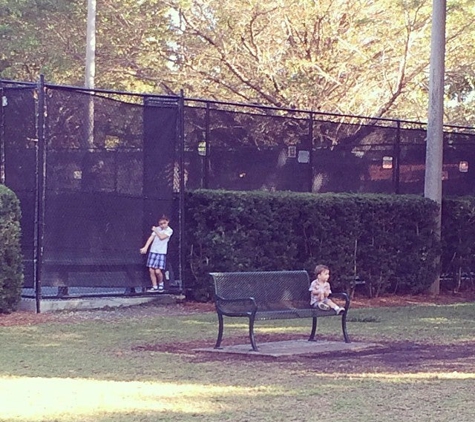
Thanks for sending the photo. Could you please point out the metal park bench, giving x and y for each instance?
(269, 295)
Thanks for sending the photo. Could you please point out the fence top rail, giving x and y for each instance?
(16, 83)
(368, 119)
(108, 91)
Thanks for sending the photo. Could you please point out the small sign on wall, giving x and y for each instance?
(291, 151)
(304, 157)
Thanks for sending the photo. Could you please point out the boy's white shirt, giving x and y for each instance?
(158, 245)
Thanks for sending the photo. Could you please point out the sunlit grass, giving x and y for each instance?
(39, 399)
(79, 399)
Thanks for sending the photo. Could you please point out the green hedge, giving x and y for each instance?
(11, 276)
(458, 242)
(389, 240)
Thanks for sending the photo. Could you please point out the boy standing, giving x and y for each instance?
(157, 257)
(320, 290)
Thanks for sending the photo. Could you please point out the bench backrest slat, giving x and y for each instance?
(272, 290)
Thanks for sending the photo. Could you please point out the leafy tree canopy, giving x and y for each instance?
(361, 57)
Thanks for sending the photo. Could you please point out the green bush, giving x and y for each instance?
(11, 276)
(398, 245)
(389, 240)
(458, 242)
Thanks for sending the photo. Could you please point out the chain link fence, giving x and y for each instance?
(94, 169)
(243, 147)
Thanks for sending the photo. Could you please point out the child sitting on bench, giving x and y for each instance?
(320, 290)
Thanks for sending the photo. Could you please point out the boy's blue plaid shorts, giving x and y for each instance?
(156, 260)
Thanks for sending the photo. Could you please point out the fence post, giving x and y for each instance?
(40, 191)
(397, 158)
(205, 168)
(181, 198)
(310, 148)
(2, 136)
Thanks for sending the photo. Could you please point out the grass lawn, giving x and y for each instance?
(133, 366)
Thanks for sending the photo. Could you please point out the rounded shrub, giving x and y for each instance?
(11, 275)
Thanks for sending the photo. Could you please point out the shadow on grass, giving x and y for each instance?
(388, 356)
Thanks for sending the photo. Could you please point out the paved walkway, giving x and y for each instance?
(72, 303)
(291, 347)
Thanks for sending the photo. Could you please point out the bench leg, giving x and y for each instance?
(343, 327)
(314, 329)
(220, 332)
(251, 333)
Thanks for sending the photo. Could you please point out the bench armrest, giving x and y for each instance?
(343, 296)
(244, 306)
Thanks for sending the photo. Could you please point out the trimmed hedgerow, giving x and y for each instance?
(11, 276)
(458, 243)
(389, 240)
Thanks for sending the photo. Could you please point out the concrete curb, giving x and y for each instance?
(53, 305)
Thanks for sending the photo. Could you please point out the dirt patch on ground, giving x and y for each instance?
(104, 314)
(387, 357)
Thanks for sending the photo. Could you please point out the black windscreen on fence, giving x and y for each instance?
(245, 150)
(19, 141)
(254, 148)
(109, 169)
(106, 186)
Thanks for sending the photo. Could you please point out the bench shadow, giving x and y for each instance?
(385, 357)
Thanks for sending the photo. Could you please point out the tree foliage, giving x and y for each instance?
(49, 37)
(40, 36)
(360, 57)
(330, 55)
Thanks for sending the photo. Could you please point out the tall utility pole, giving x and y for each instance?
(435, 125)
(90, 44)
(90, 68)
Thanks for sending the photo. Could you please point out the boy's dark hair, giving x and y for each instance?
(163, 218)
(320, 268)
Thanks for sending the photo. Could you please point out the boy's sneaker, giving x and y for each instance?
(153, 290)
(160, 288)
(339, 310)
(323, 306)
